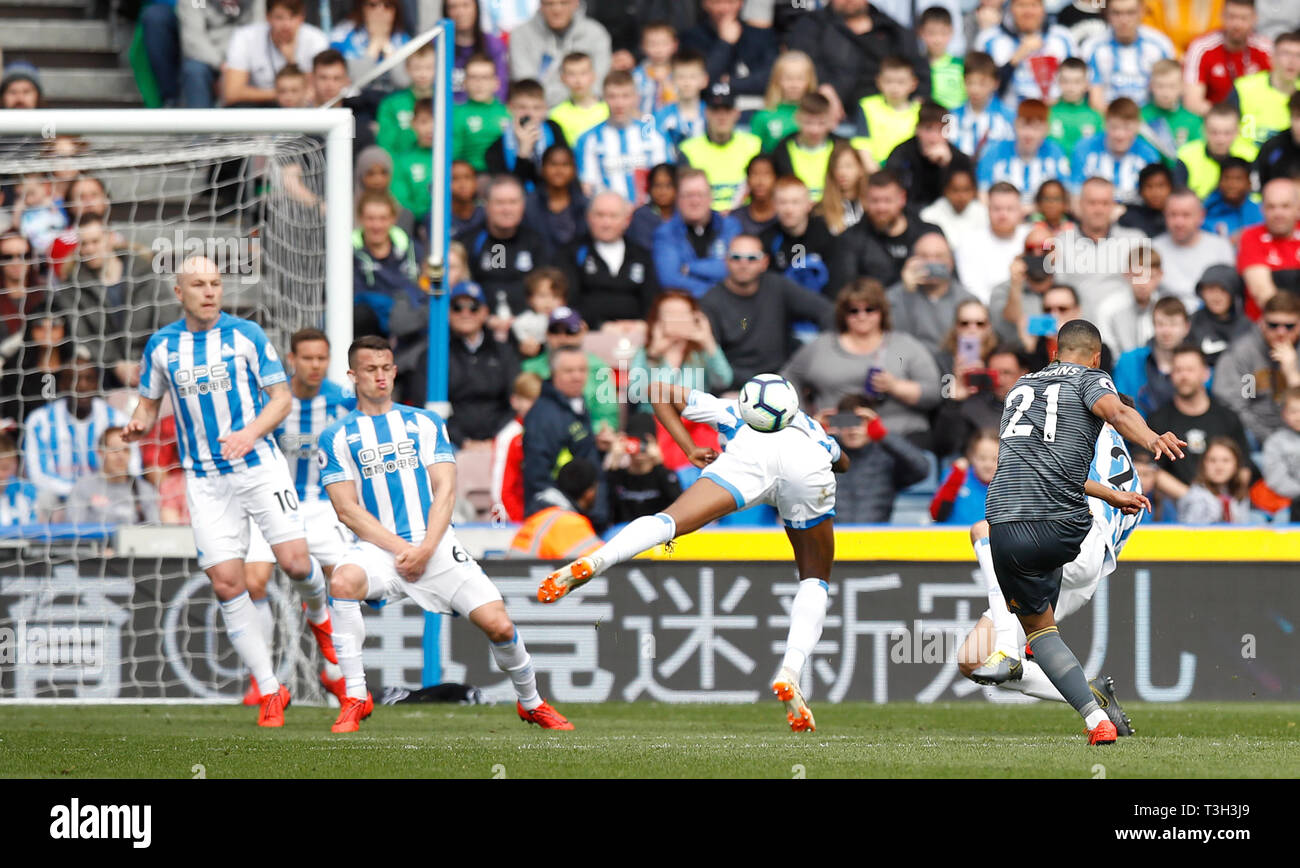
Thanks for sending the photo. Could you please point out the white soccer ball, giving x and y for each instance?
(768, 402)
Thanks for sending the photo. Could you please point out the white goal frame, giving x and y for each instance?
(335, 124)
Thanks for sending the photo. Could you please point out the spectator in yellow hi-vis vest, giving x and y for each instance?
(557, 528)
(889, 118)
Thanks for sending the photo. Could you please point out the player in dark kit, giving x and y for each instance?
(1037, 508)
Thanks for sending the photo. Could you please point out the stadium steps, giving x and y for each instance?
(81, 59)
(56, 9)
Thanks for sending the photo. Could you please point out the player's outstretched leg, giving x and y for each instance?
(1000, 663)
(1063, 670)
(703, 502)
(814, 550)
(513, 658)
(348, 586)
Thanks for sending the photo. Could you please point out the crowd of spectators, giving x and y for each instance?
(894, 205)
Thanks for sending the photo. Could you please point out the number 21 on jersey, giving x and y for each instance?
(1023, 397)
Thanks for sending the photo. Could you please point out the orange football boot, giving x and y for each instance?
(1103, 733)
(271, 710)
(544, 716)
(565, 579)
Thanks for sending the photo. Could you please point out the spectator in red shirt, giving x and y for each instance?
(161, 459)
(1216, 59)
(508, 452)
(1268, 256)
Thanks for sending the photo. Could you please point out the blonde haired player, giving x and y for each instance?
(228, 388)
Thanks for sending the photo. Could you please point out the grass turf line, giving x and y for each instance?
(649, 740)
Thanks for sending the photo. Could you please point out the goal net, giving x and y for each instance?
(99, 596)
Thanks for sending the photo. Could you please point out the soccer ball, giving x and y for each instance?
(768, 402)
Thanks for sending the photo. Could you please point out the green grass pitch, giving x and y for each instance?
(649, 740)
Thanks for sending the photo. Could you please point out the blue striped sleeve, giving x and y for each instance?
(332, 456)
(435, 445)
(153, 378)
(268, 369)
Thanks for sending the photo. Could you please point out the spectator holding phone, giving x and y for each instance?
(866, 354)
(881, 463)
(960, 500)
(975, 400)
(639, 483)
(965, 348)
(1015, 302)
(680, 350)
(928, 295)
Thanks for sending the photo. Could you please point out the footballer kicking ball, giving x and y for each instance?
(768, 402)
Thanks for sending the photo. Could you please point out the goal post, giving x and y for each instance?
(334, 125)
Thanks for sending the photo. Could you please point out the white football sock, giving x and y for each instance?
(312, 591)
(807, 614)
(640, 535)
(1004, 623)
(1095, 718)
(266, 620)
(1034, 682)
(349, 638)
(240, 617)
(513, 659)
(332, 670)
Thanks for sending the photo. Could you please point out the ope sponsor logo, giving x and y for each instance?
(52, 645)
(233, 256)
(109, 822)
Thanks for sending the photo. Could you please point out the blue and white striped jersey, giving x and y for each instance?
(298, 434)
(973, 132)
(620, 158)
(385, 457)
(216, 380)
(1112, 466)
(1093, 159)
(1030, 75)
(1001, 162)
(17, 503)
(499, 17)
(1125, 70)
(723, 416)
(649, 92)
(58, 447)
(676, 129)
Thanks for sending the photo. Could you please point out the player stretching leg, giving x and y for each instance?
(1116, 502)
(1037, 506)
(216, 368)
(792, 469)
(390, 472)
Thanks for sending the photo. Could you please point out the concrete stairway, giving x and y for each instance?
(81, 58)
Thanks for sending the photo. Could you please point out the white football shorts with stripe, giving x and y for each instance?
(789, 469)
(328, 540)
(453, 582)
(221, 506)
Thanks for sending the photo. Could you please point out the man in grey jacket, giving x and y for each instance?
(186, 45)
(924, 302)
(1258, 367)
(560, 27)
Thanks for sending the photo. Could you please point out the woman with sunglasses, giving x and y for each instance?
(864, 354)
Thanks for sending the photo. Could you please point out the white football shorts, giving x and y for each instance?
(221, 507)
(785, 469)
(453, 582)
